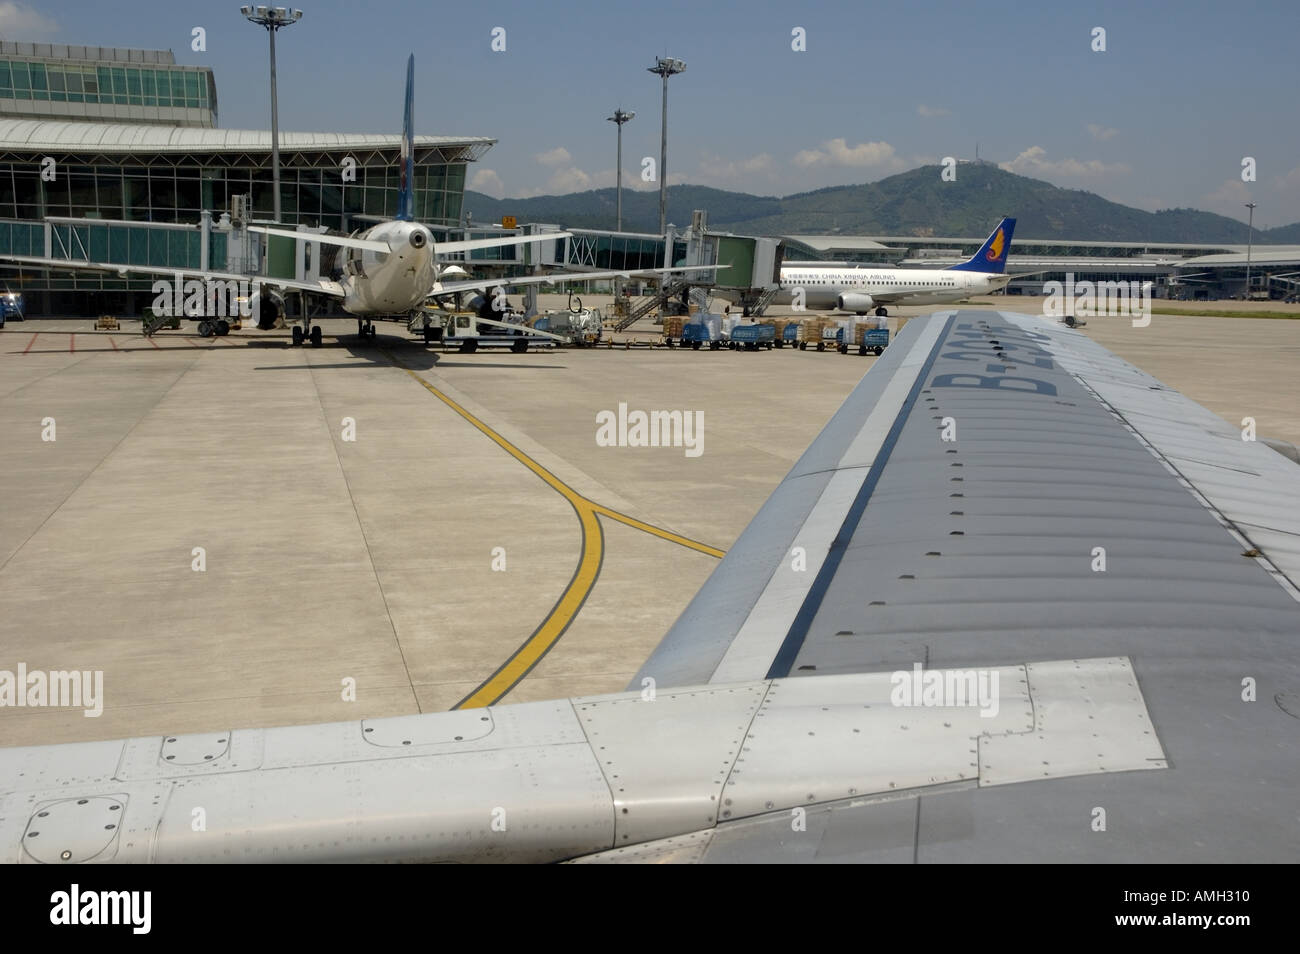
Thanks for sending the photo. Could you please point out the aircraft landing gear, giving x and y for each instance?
(205, 329)
(882, 312)
(301, 335)
(365, 329)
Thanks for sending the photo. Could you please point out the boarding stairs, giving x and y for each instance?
(766, 298)
(657, 300)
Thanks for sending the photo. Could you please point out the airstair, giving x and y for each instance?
(657, 300)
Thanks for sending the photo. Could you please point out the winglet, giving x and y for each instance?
(406, 174)
(992, 256)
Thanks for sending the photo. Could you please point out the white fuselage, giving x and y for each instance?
(394, 282)
(824, 285)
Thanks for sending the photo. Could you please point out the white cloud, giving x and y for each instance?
(1229, 199)
(932, 112)
(573, 179)
(570, 179)
(837, 152)
(1034, 162)
(488, 182)
(1289, 181)
(554, 157)
(20, 22)
(1101, 133)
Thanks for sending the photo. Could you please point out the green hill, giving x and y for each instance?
(597, 208)
(917, 202)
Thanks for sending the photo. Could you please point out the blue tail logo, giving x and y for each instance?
(992, 256)
(406, 174)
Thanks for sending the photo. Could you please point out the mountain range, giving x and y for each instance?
(913, 203)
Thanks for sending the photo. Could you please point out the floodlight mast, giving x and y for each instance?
(1250, 239)
(273, 18)
(619, 118)
(665, 66)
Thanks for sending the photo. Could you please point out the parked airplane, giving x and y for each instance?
(390, 268)
(859, 288)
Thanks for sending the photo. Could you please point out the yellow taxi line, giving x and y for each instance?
(492, 689)
(659, 531)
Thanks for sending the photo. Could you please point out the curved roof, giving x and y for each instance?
(1262, 255)
(36, 134)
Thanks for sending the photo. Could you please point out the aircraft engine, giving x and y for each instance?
(266, 309)
(860, 304)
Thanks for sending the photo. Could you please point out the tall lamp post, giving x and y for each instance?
(619, 118)
(665, 66)
(1250, 234)
(273, 18)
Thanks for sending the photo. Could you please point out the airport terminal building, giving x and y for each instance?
(129, 138)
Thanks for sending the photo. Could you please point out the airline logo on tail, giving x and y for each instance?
(992, 255)
(996, 246)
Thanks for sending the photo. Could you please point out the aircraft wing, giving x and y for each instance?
(1017, 602)
(556, 278)
(321, 286)
(374, 246)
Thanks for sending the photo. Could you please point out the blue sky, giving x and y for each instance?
(1162, 118)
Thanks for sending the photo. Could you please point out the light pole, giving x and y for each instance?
(1250, 233)
(273, 18)
(665, 66)
(619, 118)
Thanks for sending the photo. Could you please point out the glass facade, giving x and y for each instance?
(153, 188)
(179, 193)
(618, 252)
(104, 85)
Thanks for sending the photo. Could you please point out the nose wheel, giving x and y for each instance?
(365, 329)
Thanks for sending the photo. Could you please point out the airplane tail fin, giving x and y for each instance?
(406, 174)
(992, 256)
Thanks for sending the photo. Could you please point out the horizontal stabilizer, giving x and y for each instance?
(365, 244)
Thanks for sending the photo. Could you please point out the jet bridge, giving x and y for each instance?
(750, 277)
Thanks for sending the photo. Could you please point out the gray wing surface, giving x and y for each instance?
(982, 551)
(912, 654)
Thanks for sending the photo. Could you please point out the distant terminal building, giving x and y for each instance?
(133, 143)
(104, 84)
